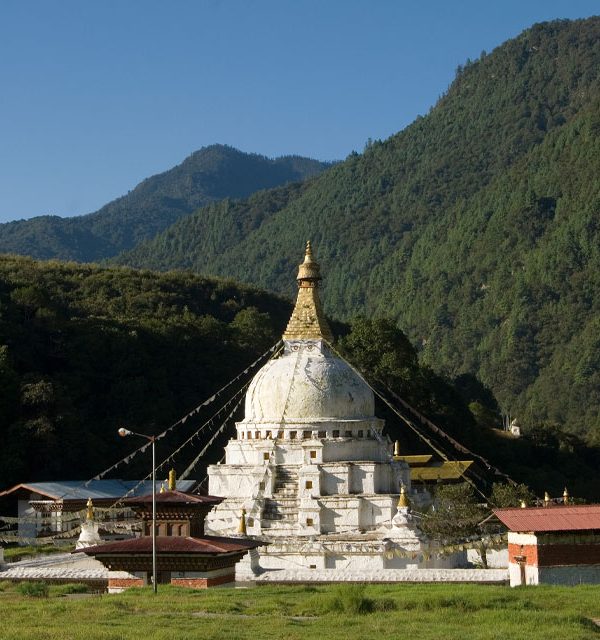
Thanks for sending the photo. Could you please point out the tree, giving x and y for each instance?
(454, 515)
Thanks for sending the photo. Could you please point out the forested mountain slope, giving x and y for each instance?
(212, 173)
(476, 227)
(85, 350)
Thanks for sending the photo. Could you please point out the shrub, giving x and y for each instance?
(350, 598)
(34, 589)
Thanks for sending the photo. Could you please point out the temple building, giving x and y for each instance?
(310, 467)
(185, 556)
(553, 544)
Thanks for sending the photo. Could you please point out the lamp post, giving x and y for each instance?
(126, 432)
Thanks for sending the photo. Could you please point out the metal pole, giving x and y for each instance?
(154, 584)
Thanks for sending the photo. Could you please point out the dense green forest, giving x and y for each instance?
(85, 350)
(476, 228)
(210, 174)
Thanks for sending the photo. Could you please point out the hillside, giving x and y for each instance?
(210, 174)
(476, 228)
(85, 350)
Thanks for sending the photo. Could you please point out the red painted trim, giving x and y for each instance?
(530, 551)
(203, 583)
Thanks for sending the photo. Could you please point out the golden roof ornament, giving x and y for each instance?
(172, 480)
(89, 515)
(546, 498)
(523, 504)
(403, 500)
(565, 496)
(308, 320)
(242, 525)
(396, 448)
(162, 487)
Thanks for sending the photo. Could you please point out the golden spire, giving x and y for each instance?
(546, 498)
(308, 320)
(403, 500)
(90, 510)
(172, 480)
(523, 504)
(162, 487)
(396, 449)
(242, 526)
(565, 496)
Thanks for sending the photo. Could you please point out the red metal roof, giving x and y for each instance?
(557, 518)
(209, 545)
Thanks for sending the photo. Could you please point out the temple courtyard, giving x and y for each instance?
(426, 611)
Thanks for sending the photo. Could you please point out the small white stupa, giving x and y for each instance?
(309, 467)
(89, 536)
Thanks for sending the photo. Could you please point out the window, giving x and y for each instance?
(307, 435)
(348, 434)
(336, 434)
(360, 433)
(261, 486)
(322, 434)
(309, 522)
(308, 484)
(313, 455)
(265, 456)
(292, 435)
(249, 435)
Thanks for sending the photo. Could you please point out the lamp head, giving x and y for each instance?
(124, 432)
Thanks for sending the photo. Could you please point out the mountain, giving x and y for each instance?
(85, 350)
(212, 173)
(476, 228)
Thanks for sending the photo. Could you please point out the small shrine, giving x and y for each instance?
(185, 556)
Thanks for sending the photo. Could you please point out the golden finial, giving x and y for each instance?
(90, 510)
(308, 253)
(403, 500)
(565, 496)
(396, 448)
(162, 487)
(546, 498)
(308, 320)
(172, 480)
(523, 504)
(242, 526)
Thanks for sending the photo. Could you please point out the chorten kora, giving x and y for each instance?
(310, 467)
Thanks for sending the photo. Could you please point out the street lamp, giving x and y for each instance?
(126, 432)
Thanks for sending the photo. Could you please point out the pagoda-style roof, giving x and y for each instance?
(207, 545)
(449, 470)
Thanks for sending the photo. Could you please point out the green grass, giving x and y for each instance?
(430, 612)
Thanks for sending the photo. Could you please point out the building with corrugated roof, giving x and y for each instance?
(553, 544)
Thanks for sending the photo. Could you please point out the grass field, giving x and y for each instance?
(422, 612)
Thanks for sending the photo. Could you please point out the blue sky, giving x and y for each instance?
(98, 95)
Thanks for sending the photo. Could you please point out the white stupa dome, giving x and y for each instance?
(308, 383)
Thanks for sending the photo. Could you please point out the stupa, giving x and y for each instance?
(309, 464)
